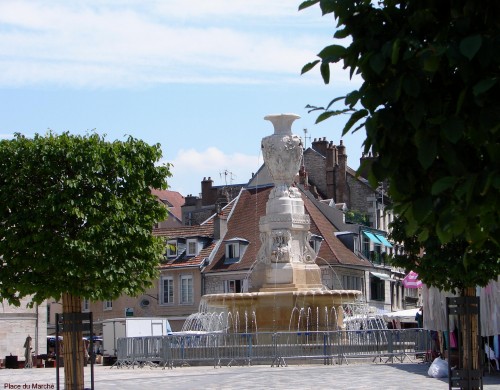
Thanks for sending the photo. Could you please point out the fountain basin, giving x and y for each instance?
(272, 311)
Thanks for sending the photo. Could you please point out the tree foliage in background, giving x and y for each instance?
(356, 216)
(430, 105)
(76, 218)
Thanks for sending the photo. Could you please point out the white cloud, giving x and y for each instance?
(191, 166)
(127, 43)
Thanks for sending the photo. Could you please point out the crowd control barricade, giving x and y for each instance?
(307, 346)
(361, 344)
(275, 348)
(194, 348)
(124, 352)
(245, 348)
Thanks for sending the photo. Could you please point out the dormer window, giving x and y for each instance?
(235, 248)
(315, 242)
(192, 247)
(171, 248)
(233, 251)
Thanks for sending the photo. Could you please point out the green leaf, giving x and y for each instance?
(325, 72)
(416, 114)
(395, 51)
(443, 184)
(307, 4)
(341, 34)
(334, 101)
(332, 53)
(377, 63)
(460, 101)
(427, 153)
(431, 63)
(355, 117)
(411, 86)
(444, 234)
(483, 86)
(470, 46)
(453, 129)
(352, 98)
(422, 208)
(325, 115)
(309, 66)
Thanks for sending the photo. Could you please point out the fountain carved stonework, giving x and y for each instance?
(286, 280)
(284, 230)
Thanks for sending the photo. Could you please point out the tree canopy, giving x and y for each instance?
(76, 216)
(429, 102)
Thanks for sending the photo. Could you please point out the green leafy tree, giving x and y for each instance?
(76, 215)
(429, 102)
(356, 216)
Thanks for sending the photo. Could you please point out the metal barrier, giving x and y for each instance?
(336, 347)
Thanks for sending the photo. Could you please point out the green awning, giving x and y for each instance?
(383, 240)
(372, 237)
(382, 276)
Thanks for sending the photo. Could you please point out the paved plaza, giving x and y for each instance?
(311, 376)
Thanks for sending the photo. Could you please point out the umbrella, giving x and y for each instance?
(411, 280)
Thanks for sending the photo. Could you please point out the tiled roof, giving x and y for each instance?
(206, 230)
(173, 199)
(244, 223)
(332, 250)
(183, 261)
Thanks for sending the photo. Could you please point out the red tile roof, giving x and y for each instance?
(244, 223)
(332, 250)
(205, 230)
(173, 199)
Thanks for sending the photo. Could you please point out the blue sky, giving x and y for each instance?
(196, 76)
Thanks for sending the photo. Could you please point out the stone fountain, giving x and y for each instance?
(286, 291)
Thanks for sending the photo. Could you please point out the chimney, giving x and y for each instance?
(365, 165)
(341, 175)
(320, 145)
(220, 226)
(208, 194)
(190, 200)
(331, 163)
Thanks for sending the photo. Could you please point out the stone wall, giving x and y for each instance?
(16, 323)
(315, 165)
(360, 195)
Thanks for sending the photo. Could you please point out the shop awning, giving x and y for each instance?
(372, 237)
(382, 276)
(383, 240)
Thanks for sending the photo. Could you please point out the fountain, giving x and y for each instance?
(286, 292)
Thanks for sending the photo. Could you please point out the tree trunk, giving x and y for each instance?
(470, 337)
(73, 353)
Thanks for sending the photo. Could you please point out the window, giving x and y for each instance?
(85, 305)
(192, 247)
(167, 290)
(351, 283)
(108, 305)
(377, 289)
(186, 289)
(232, 286)
(233, 250)
(171, 248)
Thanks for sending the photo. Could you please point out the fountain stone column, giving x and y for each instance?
(288, 258)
